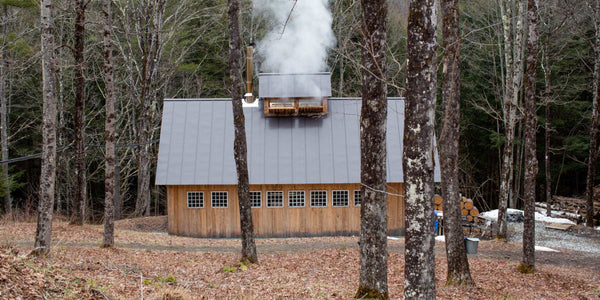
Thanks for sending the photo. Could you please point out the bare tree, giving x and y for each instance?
(456, 254)
(79, 190)
(110, 128)
(373, 122)
(512, 47)
(418, 165)
(4, 108)
(589, 186)
(43, 235)
(240, 148)
(531, 164)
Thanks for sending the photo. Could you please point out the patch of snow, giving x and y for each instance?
(597, 228)
(545, 249)
(440, 238)
(492, 215)
(160, 233)
(392, 238)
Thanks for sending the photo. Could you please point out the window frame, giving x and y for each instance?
(282, 199)
(259, 199)
(303, 198)
(212, 193)
(318, 191)
(201, 201)
(347, 198)
(354, 198)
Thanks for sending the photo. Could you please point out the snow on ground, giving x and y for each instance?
(598, 228)
(493, 216)
(545, 249)
(440, 238)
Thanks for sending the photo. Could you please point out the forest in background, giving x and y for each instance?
(177, 49)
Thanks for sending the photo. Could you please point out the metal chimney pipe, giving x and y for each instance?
(249, 84)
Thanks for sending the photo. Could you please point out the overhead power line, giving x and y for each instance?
(38, 155)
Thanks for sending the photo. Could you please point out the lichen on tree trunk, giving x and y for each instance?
(108, 239)
(531, 164)
(373, 122)
(456, 254)
(43, 234)
(418, 164)
(240, 147)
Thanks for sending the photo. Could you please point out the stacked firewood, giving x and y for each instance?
(573, 205)
(467, 209)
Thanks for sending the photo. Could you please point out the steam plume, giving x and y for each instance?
(302, 48)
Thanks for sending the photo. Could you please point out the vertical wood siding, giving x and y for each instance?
(275, 222)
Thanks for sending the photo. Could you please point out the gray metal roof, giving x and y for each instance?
(196, 144)
(278, 85)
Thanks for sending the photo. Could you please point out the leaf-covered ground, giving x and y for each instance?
(151, 264)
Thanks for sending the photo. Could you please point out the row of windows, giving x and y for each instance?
(275, 199)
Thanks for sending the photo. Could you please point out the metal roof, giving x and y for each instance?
(280, 85)
(196, 144)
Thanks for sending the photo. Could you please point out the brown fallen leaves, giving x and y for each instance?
(151, 266)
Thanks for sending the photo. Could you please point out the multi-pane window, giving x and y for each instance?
(255, 199)
(275, 199)
(357, 198)
(339, 198)
(296, 198)
(318, 198)
(195, 199)
(218, 199)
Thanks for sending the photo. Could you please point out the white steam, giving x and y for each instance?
(306, 38)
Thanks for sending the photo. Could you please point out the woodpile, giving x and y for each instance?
(467, 208)
(575, 206)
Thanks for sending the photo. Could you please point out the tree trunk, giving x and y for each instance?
(240, 147)
(547, 90)
(456, 254)
(512, 30)
(79, 191)
(531, 164)
(419, 269)
(43, 235)
(110, 128)
(373, 209)
(594, 126)
(4, 113)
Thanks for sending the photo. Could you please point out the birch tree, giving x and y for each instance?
(239, 147)
(373, 122)
(456, 254)
(418, 164)
(589, 186)
(43, 235)
(512, 48)
(110, 129)
(531, 164)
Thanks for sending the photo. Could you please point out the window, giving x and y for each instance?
(195, 199)
(357, 198)
(275, 199)
(255, 199)
(296, 198)
(340, 198)
(318, 198)
(218, 199)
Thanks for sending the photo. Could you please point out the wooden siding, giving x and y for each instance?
(275, 221)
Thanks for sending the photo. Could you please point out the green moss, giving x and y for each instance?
(526, 268)
(369, 293)
(248, 261)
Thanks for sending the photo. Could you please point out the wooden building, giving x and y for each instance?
(304, 167)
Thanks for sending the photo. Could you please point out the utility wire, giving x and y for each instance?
(38, 155)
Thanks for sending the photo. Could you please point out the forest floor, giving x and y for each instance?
(148, 263)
